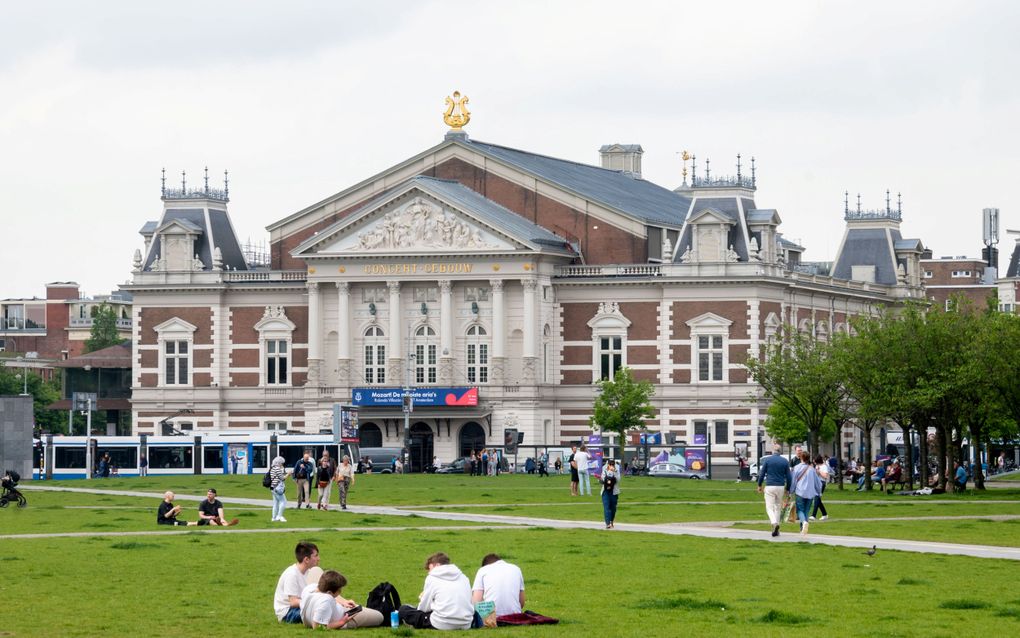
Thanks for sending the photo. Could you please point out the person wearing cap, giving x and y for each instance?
(210, 511)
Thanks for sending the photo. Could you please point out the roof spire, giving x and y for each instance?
(184, 184)
(708, 170)
(738, 168)
(858, 203)
(162, 181)
(888, 208)
(694, 170)
(754, 181)
(206, 180)
(684, 155)
(899, 203)
(846, 202)
(226, 186)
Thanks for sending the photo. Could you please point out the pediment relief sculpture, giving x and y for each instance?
(421, 224)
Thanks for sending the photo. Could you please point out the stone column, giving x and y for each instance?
(445, 331)
(314, 334)
(497, 363)
(529, 360)
(395, 359)
(343, 331)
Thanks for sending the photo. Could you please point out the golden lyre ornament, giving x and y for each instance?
(685, 156)
(462, 117)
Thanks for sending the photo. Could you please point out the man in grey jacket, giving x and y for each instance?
(774, 472)
(446, 599)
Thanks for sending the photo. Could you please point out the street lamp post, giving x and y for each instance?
(24, 375)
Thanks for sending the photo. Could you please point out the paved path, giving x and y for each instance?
(704, 530)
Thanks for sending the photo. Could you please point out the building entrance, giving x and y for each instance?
(421, 448)
(472, 439)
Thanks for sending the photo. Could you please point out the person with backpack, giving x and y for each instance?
(303, 471)
(277, 485)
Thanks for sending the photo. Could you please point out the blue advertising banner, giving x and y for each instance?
(423, 397)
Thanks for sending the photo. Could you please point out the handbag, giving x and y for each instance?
(323, 484)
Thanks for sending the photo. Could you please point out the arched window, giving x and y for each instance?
(477, 355)
(375, 356)
(370, 435)
(472, 438)
(424, 355)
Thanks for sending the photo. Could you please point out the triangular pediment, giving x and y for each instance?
(179, 227)
(419, 221)
(709, 216)
(175, 325)
(708, 321)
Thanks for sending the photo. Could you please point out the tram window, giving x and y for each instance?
(260, 456)
(69, 457)
(170, 458)
(212, 456)
(121, 457)
(292, 453)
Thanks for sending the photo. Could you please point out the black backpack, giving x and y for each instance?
(384, 599)
(267, 480)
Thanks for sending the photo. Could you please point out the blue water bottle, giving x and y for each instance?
(394, 619)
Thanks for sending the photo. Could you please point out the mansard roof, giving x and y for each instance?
(213, 229)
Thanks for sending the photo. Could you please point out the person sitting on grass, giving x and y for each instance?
(501, 583)
(445, 600)
(210, 511)
(323, 606)
(293, 580)
(167, 513)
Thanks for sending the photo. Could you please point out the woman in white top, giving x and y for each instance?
(610, 481)
(344, 479)
(278, 488)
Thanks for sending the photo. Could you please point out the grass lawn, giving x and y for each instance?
(597, 582)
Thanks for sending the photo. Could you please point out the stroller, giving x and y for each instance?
(10, 490)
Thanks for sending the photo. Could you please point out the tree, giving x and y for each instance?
(104, 329)
(622, 405)
(44, 393)
(797, 373)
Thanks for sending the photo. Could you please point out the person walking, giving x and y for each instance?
(573, 470)
(304, 470)
(323, 477)
(610, 481)
(143, 466)
(344, 479)
(583, 482)
(806, 486)
(774, 473)
(823, 473)
(279, 489)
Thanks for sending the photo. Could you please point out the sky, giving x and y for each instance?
(300, 100)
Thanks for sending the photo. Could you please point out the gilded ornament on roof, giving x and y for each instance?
(457, 103)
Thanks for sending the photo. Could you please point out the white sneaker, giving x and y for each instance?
(824, 517)
(273, 520)
(282, 519)
(811, 518)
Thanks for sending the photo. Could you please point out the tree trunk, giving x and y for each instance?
(910, 455)
(943, 452)
(837, 444)
(867, 456)
(979, 474)
(922, 447)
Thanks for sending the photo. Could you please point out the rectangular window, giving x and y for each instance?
(177, 361)
(710, 358)
(476, 293)
(722, 432)
(610, 356)
(176, 457)
(277, 359)
(700, 432)
(961, 273)
(375, 364)
(277, 426)
(14, 317)
(425, 363)
(69, 457)
(928, 274)
(212, 456)
(478, 363)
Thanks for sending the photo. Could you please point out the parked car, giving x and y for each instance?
(754, 471)
(458, 466)
(672, 470)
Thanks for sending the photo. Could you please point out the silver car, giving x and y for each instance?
(672, 470)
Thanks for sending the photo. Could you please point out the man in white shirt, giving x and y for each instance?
(445, 601)
(322, 605)
(581, 457)
(293, 580)
(500, 582)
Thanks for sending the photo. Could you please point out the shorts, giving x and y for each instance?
(203, 521)
(574, 478)
(172, 522)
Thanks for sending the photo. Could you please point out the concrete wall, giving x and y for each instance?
(16, 435)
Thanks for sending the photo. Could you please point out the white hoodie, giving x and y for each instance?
(447, 595)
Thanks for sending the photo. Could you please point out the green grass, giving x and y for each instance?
(220, 582)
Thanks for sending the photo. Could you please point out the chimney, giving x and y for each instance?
(622, 157)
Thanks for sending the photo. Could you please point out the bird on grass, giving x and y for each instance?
(871, 552)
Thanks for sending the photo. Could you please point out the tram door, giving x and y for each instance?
(238, 458)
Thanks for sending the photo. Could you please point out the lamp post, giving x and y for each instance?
(24, 376)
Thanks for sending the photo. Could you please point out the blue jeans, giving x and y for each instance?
(609, 501)
(279, 503)
(803, 507)
(293, 615)
(584, 484)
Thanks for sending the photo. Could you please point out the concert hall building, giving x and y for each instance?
(499, 285)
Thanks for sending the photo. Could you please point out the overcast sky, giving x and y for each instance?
(301, 99)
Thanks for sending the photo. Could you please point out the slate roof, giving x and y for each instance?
(630, 195)
(1014, 262)
(868, 246)
(908, 244)
(148, 228)
(504, 220)
(219, 229)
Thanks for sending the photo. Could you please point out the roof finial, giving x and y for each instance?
(846, 202)
(226, 186)
(888, 208)
(206, 180)
(462, 117)
(738, 170)
(694, 170)
(899, 203)
(754, 181)
(708, 171)
(184, 184)
(162, 181)
(684, 155)
(858, 203)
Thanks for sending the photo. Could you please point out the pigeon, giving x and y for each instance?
(871, 552)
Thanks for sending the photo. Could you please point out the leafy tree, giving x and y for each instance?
(623, 405)
(104, 329)
(797, 373)
(44, 393)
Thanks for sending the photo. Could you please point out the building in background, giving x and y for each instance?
(496, 286)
